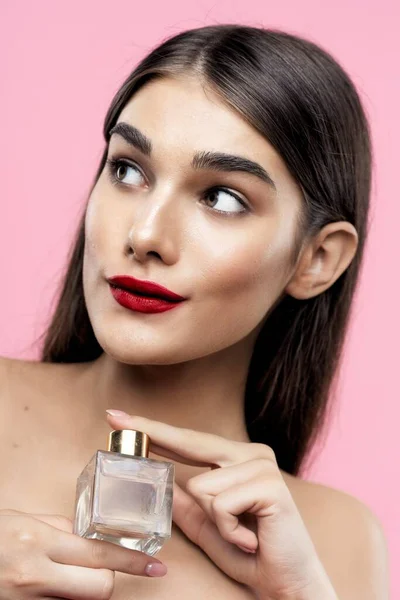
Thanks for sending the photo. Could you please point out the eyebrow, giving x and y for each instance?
(216, 161)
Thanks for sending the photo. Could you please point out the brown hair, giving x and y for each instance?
(303, 102)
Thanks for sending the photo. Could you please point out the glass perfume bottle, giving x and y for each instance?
(124, 497)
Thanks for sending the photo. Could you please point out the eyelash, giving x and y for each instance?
(114, 163)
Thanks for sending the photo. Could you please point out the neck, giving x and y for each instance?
(205, 394)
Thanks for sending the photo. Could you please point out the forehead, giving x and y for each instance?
(181, 115)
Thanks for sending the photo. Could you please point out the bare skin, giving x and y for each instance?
(164, 367)
(51, 438)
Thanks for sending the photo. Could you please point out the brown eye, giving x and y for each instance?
(119, 170)
(226, 201)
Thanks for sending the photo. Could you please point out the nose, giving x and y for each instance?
(156, 228)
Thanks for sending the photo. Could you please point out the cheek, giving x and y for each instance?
(103, 231)
(253, 269)
(100, 236)
(237, 286)
(94, 223)
(91, 230)
(90, 254)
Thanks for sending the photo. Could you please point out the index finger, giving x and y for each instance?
(187, 446)
(71, 549)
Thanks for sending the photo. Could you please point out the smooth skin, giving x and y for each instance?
(275, 557)
(186, 369)
(43, 558)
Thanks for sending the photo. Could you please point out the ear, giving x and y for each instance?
(323, 259)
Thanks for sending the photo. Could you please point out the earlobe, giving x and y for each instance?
(324, 260)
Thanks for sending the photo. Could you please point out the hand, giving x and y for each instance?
(240, 513)
(40, 558)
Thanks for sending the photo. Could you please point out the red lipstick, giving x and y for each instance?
(142, 296)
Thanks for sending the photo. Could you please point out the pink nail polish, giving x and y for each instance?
(155, 569)
(245, 549)
(116, 413)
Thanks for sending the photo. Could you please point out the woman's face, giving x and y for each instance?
(227, 251)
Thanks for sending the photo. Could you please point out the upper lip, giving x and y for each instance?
(145, 287)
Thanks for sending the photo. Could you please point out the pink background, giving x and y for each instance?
(60, 66)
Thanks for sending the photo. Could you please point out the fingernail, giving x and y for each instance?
(245, 549)
(155, 569)
(117, 413)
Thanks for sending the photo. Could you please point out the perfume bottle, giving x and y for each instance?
(124, 497)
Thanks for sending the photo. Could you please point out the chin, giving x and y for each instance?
(138, 350)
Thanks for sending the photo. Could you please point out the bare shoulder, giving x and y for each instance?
(15, 366)
(17, 376)
(348, 536)
(14, 376)
(16, 372)
(11, 371)
(27, 381)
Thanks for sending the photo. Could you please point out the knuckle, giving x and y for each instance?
(135, 562)
(194, 485)
(99, 552)
(27, 540)
(23, 535)
(20, 577)
(218, 504)
(263, 450)
(22, 538)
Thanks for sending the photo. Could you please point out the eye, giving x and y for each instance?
(117, 171)
(228, 201)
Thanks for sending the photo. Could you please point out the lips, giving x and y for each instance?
(144, 288)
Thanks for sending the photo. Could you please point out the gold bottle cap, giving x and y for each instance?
(126, 441)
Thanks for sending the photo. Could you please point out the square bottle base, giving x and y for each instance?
(143, 543)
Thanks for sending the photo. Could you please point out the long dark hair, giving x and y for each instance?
(298, 96)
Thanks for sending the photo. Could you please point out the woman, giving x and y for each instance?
(236, 174)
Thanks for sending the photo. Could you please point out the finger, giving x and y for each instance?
(214, 482)
(207, 486)
(253, 497)
(71, 549)
(195, 524)
(216, 507)
(177, 457)
(79, 583)
(206, 449)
